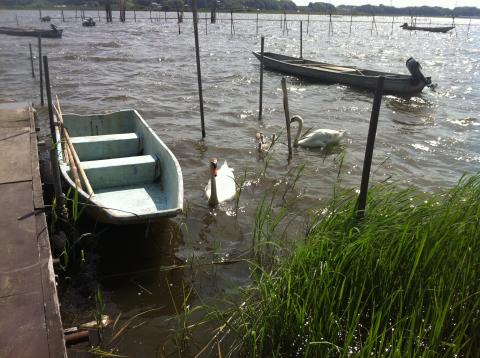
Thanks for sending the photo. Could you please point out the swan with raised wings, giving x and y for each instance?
(315, 138)
(221, 186)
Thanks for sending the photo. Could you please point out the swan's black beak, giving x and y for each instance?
(213, 166)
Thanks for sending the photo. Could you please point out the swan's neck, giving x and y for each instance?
(213, 201)
(299, 131)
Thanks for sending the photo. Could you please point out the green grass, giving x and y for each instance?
(403, 282)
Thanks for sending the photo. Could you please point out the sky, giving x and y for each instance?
(397, 3)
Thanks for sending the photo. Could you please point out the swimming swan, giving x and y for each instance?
(315, 138)
(221, 186)
(263, 145)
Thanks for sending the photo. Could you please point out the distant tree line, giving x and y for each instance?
(252, 5)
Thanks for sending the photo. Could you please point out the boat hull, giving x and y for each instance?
(351, 76)
(428, 29)
(134, 175)
(31, 32)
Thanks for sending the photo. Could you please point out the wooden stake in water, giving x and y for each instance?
(40, 69)
(287, 116)
(16, 19)
(206, 24)
(393, 21)
(256, 27)
(40, 13)
(308, 22)
(373, 24)
(301, 39)
(367, 163)
(199, 73)
(134, 16)
(260, 102)
(31, 59)
(468, 28)
(330, 25)
(57, 184)
(351, 20)
(232, 26)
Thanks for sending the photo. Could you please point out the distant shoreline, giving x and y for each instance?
(312, 9)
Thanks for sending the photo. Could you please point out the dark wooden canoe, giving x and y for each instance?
(429, 29)
(31, 32)
(398, 84)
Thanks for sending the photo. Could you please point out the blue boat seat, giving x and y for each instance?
(125, 171)
(107, 146)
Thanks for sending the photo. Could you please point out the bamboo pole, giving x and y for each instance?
(301, 39)
(367, 163)
(287, 116)
(40, 69)
(57, 183)
(260, 105)
(199, 73)
(31, 60)
(73, 154)
(67, 154)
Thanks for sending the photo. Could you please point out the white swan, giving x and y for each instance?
(315, 138)
(221, 186)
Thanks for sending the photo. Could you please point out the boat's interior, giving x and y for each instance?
(126, 164)
(331, 67)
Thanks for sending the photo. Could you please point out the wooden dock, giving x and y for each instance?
(30, 323)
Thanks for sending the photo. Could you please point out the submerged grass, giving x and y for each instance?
(404, 281)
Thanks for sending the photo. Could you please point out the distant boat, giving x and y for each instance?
(134, 176)
(398, 84)
(88, 22)
(14, 31)
(444, 29)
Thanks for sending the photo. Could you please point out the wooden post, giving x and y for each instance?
(468, 28)
(134, 15)
(287, 116)
(453, 24)
(330, 24)
(178, 22)
(31, 59)
(63, 16)
(373, 24)
(232, 26)
(256, 28)
(367, 163)
(351, 20)
(260, 105)
(393, 21)
(40, 13)
(199, 73)
(57, 184)
(40, 69)
(206, 24)
(301, 39)
(308, 21)
(16, 19)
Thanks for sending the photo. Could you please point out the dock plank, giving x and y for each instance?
(30, 323)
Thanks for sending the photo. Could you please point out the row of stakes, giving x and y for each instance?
(361, 203)
(283, 20)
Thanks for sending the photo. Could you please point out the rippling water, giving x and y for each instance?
(427, 141)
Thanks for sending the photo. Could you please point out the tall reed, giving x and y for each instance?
(404, 281)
